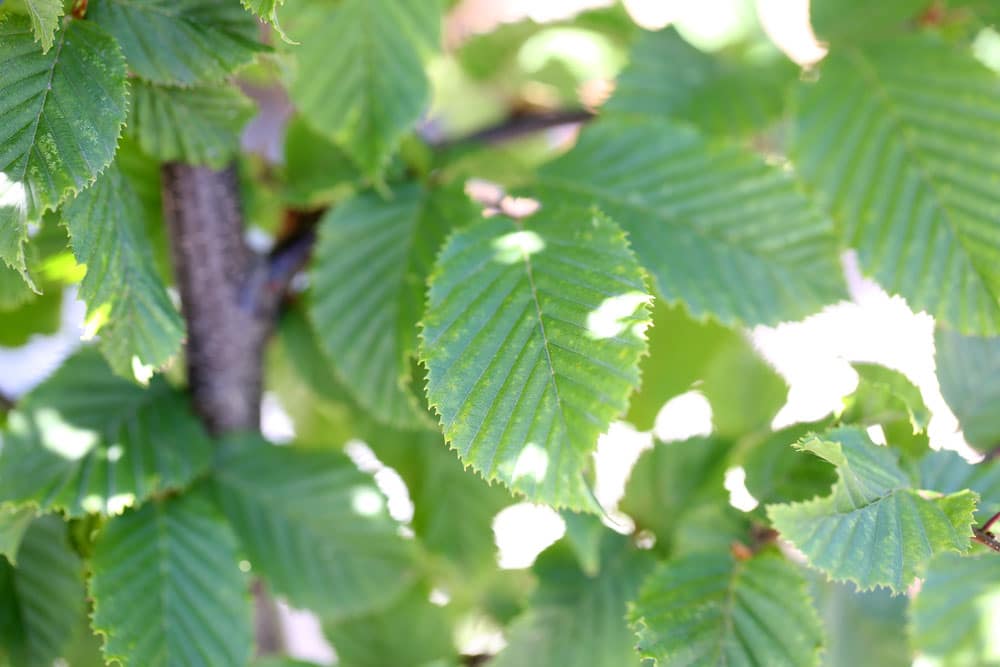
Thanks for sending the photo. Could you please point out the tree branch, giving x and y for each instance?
(519, 125)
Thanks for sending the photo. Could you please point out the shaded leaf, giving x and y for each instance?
(360, 78)
(953, 618)
(532, 338)
(421, 631)
(968, 369)
(875, 528)
(13, 522)
(199, 125)
(44, 16)
(86, 440)
(141, 325)
(710, 609)
(369, 279)
(179, 41)
(316, 170)
(576, 619)
(774, 474)
(862, 629)
(947, 472)
(167, 589)
(314, 526)
(754, 252)
(63, 112)
(41, 600)
(879, 138)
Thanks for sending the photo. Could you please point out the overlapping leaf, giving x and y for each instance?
(199, 125)
(774, 475)
(710, 609)
(14, 521)
(360, 78)
(953, 618)
(314, 527)
(369, 280)
(576, 619)
(42, 599)
(947, 472)
(875, 528)
(316, 170)
(106, 230)
(968, 369)
(167, 589)
(667, 77)
(862, 629)
(179, 41)
(718, 229)
(62, 113)
(267, 10)
(899, 139)
(676, 492)
(86, 440)
(44, 16)
(422, 631)
(532, 338)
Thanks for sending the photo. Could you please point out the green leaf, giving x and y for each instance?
(44, 16)
(199, 125)
(13, 522)
(532, 339)
(968, 369)
(878, 137)
(315, 527)
(63, 112)
(754, 252)
(584, 534)
(179, 41)
(41, 600)
(360, 78)
(14, 292)
(744, 390)
(421, 632)
(576, 619)
(675, 486)
(453, 510)
(86, 440)
(711, 609)
(874, 529)
(775, 475)
(142, 327)
(888, 398)
(947, 472)
(954, 617)
(668, 78)
(41, 315)
(167, 589)
(369, 278)
(267, 10)
(860, 20)
(862, 629)
(316, 170)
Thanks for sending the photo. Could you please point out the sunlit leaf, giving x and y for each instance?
(532, 338)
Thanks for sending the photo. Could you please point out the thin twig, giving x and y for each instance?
(519, 125)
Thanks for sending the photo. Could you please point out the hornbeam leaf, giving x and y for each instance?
(107, 233)
(968, 368)
(179, 41)
(315, 527)
(947, 472)
(13, 522)
(42, 599)
(710, 609)
(167, 587)
(532, 338)
(368, 284)
(953, 618)
(900, 139)
(360, 78)
(874, 529)
(575, 618)
(199, 125)
(44, 19)
(62, 114)
(667, 77)
(718, 229)
(267, 10)
(86, 440)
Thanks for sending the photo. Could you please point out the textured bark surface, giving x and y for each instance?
(216, 275)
